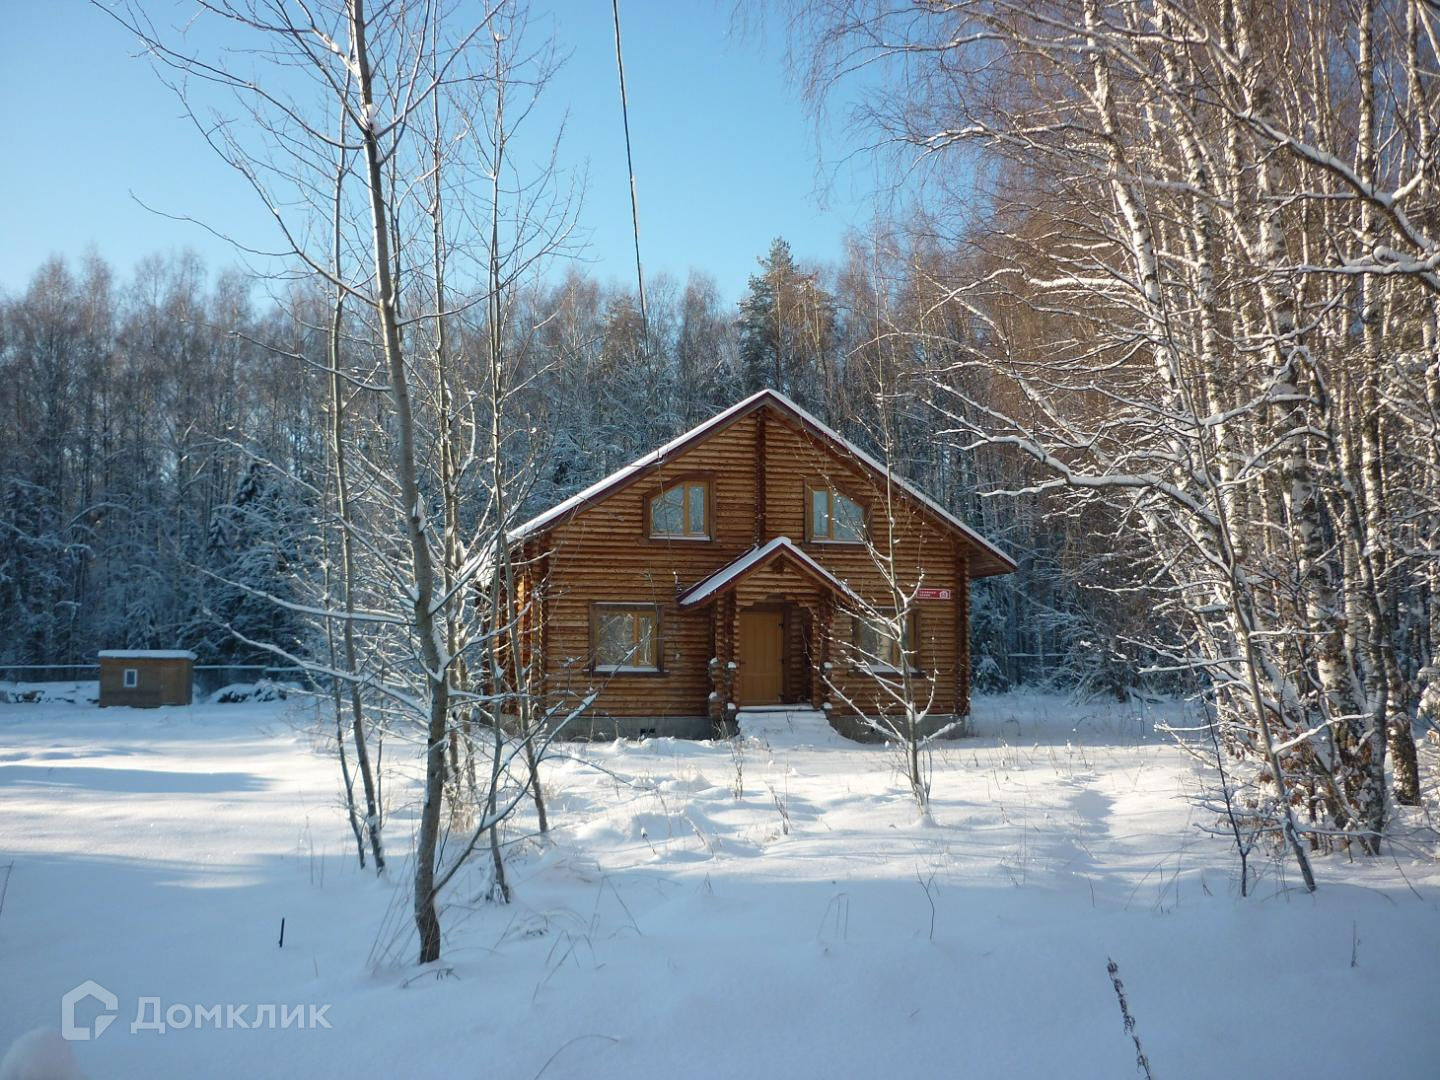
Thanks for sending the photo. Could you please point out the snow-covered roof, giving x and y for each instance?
(752, 560)
(1000, 562)
(146, 654)
(619, 477)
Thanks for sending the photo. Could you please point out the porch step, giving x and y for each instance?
(794, 725)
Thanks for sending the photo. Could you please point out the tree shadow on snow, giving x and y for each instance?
(145, 781)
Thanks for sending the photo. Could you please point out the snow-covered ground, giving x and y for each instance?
(810, 927)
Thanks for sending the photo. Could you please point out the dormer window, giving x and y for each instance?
(833, 517)
(681, 511)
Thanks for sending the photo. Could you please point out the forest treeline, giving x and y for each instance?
(155, 424)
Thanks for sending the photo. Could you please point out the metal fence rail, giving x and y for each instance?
(208, 677)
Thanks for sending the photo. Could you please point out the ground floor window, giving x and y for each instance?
(879, 643)
(132, 678)
(625, 637)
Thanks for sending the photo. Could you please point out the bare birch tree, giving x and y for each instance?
(422, 96)
(1193, 305)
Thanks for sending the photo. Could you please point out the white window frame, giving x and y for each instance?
(131, 678)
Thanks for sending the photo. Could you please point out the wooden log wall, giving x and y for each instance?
(922, 547)
(758, 469)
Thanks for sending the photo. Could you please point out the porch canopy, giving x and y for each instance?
(756, 560)
(773, 609)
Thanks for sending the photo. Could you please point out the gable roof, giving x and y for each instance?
(758, 558)
(987, 560)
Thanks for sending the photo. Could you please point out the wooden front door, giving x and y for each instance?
(762, 657)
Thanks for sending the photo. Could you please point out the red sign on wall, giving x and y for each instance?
(932, 594)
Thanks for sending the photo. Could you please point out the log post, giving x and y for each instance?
(715, 707)
(760, 470)
(820, 651)
(732, 617)
(716, 667)
(543, 599)
(962, 631)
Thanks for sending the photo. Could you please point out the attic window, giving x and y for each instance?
(132, 678)
(833, 517)
(681, 511)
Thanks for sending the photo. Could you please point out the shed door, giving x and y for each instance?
(762, 657)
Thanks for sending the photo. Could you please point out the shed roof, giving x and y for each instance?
(987, 561)
(755, 559)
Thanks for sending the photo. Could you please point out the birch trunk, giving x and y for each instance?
(406, 477)
(338, 452)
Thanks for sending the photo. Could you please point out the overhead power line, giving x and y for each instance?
(630, 163)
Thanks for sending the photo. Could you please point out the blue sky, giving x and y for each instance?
(725, 155)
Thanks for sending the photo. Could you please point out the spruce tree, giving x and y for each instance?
(254, 553)
(787, 328)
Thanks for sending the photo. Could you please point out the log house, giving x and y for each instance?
(729, 569)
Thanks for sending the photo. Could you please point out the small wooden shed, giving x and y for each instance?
(145, 678)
